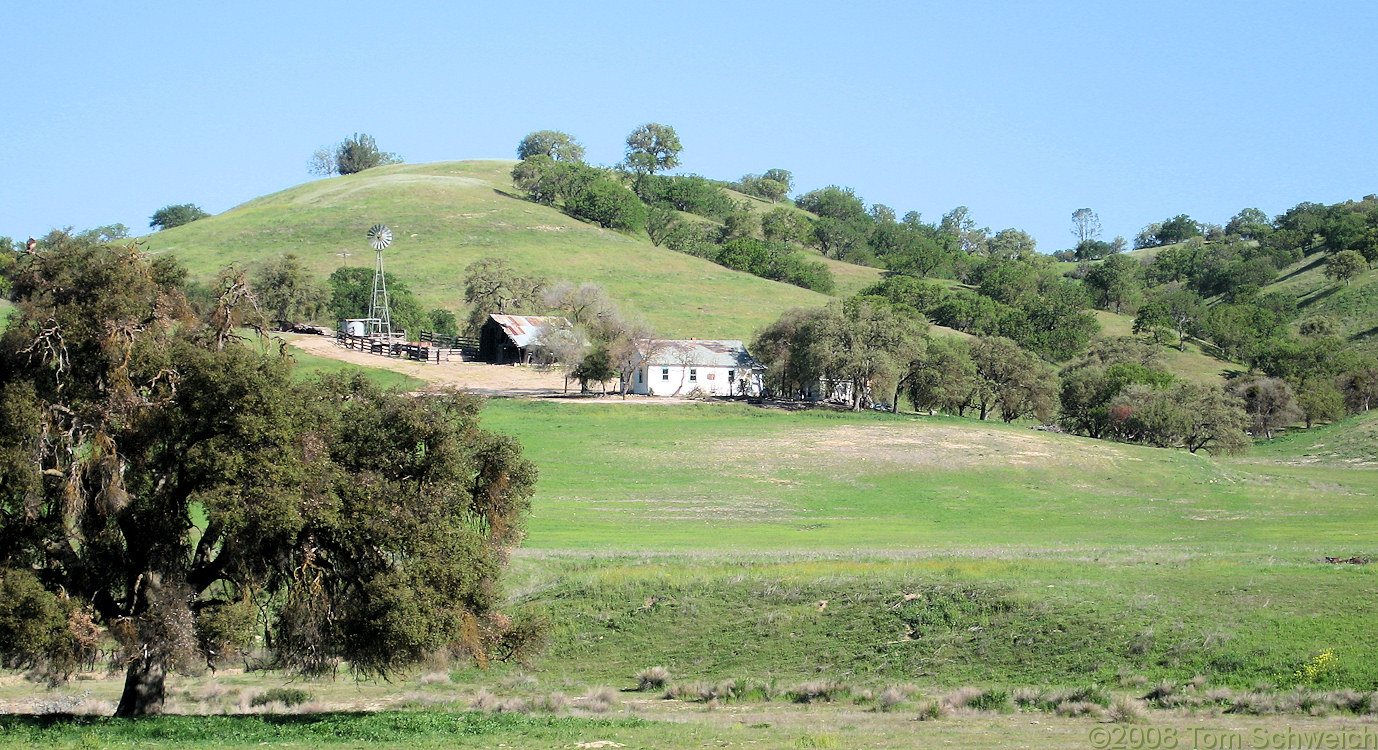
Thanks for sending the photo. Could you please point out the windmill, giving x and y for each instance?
(379, 318)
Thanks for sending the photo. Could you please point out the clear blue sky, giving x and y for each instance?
(1022, 111)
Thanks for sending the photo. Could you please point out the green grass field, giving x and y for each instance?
(779, 549)
(446, 215)
(1073, 559)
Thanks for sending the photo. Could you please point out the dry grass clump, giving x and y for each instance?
(818, 690)
(890, 698)
(552, 703)
(597, 700)
(932, 710)
(652, 678)
(490, 703)
(1221, 696)
(702, 692)
(1127, 711)
(1026, 697)
(683, 691)
(211, 691)
(1352, 701)
(433, 678)
(1133, 680)
(1066, 701)
(1079, 708)
(512, 682)
(484, 701)
(1161, 694)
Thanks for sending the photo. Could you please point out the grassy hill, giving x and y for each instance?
(1191, 363)
(1354, 305)
(446, 215)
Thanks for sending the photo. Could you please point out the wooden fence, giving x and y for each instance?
(432, 347)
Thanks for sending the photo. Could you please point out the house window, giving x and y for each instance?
(664, 373)
(693, 374)
(638, 376)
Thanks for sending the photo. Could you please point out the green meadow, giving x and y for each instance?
(902, 567)
(727, 541)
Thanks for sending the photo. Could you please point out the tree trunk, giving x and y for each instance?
(143, 688)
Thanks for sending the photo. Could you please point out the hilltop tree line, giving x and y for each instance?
(687, 213)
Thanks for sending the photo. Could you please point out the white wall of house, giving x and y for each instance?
(680, 380)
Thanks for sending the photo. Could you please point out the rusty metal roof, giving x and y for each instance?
(522, 329)
(704, 353)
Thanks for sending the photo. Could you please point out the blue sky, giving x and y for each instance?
(1022, 111)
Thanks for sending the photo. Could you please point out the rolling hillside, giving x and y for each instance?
(1354, 305)
(448, 214)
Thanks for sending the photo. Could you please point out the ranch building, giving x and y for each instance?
(716, 368)
(512, 339)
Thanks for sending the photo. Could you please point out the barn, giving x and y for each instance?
(511, 339)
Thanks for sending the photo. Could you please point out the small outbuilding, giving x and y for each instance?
(511, 339)
(712, 367)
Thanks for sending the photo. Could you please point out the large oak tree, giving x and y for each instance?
(178, 487)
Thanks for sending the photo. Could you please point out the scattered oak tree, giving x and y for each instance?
(552, 143)
(1345, 265)
(652, 148)
(354, 154)
(168, 217)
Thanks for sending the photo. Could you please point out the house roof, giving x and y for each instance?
(522, 329)
(704, 353)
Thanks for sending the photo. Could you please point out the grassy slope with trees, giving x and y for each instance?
(446, 215)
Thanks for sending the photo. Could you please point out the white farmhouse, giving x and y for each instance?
(711, 367)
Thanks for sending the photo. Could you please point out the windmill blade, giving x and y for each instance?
(379, 236)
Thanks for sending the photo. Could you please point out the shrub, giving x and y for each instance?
(608, 204)
(285, 696)
(991, 700)
(1160, 693)
(977, 699)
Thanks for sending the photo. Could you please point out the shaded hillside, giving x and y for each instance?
(448, 214)
(1191, 363)
(1354, 305)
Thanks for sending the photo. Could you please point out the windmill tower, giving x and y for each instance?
(379, 318)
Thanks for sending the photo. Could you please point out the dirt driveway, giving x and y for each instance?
(476, 377)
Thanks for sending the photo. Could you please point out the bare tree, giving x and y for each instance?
(1085, 225)
(632, 345)
(558, 343)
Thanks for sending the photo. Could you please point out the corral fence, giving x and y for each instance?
(432, 347)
